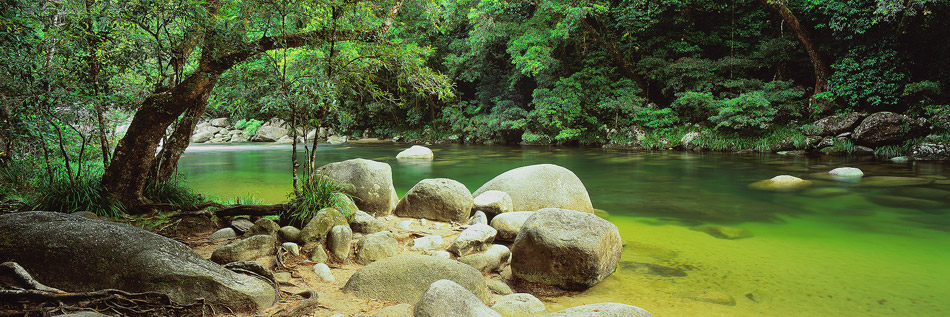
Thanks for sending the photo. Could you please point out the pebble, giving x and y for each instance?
(291, 247)
(224, 234)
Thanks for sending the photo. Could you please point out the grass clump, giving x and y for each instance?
(83, 194)
(316, 192)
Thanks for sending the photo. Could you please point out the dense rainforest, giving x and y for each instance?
(637, 74)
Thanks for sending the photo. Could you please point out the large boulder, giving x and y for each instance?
(372, 184)
(439, 199)
(449, 299)
(566, 248)
(405, 278)
(263, 226)
(321, 223)
(245, 250)
(416, 152)
(376, 246)
(202, 136)
(269, 133)
(931, 152)
(541, 186)
(888, 128)
(76, 254)
(220, 122)
(493, 203)
(603, 310)
(834, 125)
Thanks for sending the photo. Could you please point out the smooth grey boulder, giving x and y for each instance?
(519, 304)
(339, 242)
(223, 233)
(489, 261)
(439, 199)
(376, 246)
(473, 239)
(493, 203)
(416, 152)
(263, 226)
(509, 224)
(220, 122)
(92, 255)
(245, 250)
(541, 186)
(404, 278)
(888, 128)
(565, 248)
(372, 184)
(321, 223)
(603, 310)
(202, 136)
(271, 131)
(445, 298)
(364, 223)
(289, 233)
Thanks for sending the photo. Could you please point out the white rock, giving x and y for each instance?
(493, 202)
(291, 247)
(474, 239)
(478, 218)
(416, 152)
(519, 304)
(846, 172)
(443, 254)
(323, 272)
(427, 243)
(223, 234)
(404, 225)
(509, 224)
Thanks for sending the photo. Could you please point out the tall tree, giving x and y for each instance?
(818, 62)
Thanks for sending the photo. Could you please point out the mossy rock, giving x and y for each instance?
(320, 225)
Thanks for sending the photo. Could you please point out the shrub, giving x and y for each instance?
(315, 193)
(696, 106)
(747, 113)
(251, 127)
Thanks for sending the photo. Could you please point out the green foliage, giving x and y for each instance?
(173, 192)
(317, 192)
(868, 77)
(747, 113)
(251, 126)
(696, 106)
(243, 200)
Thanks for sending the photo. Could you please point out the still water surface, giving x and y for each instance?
(837, 249)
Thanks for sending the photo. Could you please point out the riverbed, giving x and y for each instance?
(840, 248)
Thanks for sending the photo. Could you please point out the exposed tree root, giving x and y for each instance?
(251, 210)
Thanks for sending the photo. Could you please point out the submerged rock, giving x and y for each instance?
(723, 232)
(603, 309)
(712, 297)
(781, 183)
(893, 181)
(904, 202)
(94, 255)
(541, 186)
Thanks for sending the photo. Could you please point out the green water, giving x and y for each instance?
(835, 250)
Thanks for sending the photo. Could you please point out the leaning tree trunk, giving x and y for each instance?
(821, 69)
(167, 161)
(124, 178)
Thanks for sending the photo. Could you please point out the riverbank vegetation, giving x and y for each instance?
(92, 88)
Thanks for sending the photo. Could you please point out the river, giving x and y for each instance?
(836, 249)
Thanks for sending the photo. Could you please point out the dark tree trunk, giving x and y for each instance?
(167, 161)
(614, 50)
(126, 175)
(821, 69)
